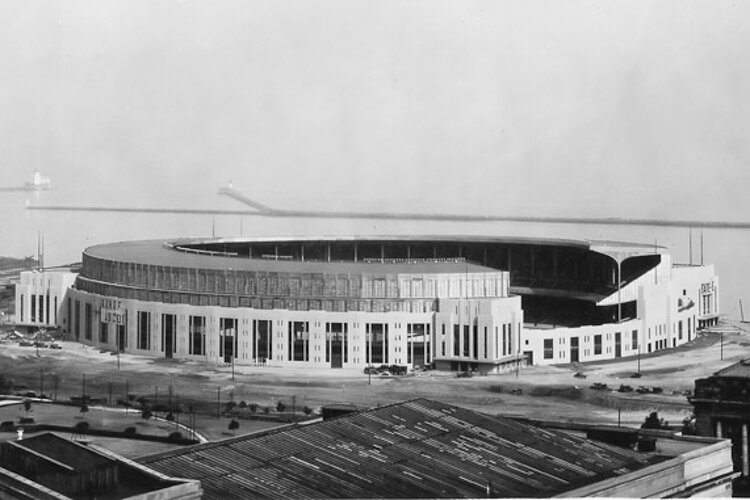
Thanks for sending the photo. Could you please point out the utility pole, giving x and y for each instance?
(41, 382)
(218, 403)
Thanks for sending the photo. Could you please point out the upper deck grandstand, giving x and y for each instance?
(561, 281)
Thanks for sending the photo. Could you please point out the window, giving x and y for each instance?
(103, 333)
(33, 308)
(485, 343)
(548, 347)
(144, 330)
(88, 321)
(299, 341)
(597, 344)
(456, 340)
(197, 335)
(635, 339)
(77, 329)
(122, 339)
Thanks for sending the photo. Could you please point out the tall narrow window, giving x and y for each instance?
(484, 355)
(88, 321)
(77, 329)
(144, 330)
(33, 308)
(548, 348)
(456, 340)
(197, 335)
(103, 333)
(597, 344)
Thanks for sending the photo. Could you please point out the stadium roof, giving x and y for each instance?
(419, 448)
(161, 253)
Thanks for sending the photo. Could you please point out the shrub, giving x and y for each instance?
(160, 408)
(129, 431)
(308, 410)
(170, 417)
(243, 404)
(175, 436)
(253, 407)
(267, 410)
(234, 425)
(146, 413)
(280, 406)
(654, 422)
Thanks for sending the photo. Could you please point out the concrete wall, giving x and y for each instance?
(48, 289)
(705, 471)
(485, 313)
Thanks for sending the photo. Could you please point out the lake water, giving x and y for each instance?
(66, 234)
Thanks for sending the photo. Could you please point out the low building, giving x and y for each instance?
(51, 467)
(427, 449)
(721, 405)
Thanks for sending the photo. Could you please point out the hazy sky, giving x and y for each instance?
(580, 108)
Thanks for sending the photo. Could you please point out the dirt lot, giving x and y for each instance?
(545, 392)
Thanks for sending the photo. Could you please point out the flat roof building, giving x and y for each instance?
(47, 466)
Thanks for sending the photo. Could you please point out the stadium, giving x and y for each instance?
(453, 303)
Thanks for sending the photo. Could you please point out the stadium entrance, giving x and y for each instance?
(168, 322)
(227, 339)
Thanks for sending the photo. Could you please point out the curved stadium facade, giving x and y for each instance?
(454, 303)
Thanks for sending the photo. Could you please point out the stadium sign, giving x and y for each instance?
(113, 312)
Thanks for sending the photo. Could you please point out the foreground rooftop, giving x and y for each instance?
(419, 448)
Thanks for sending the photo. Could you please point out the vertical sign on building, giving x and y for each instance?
(112, 312)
